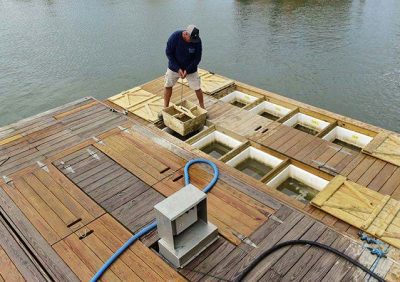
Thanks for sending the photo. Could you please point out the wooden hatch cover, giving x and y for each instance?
(212, 83)
(385, 146)
(361, 207)
(131, 97)
(149, 109)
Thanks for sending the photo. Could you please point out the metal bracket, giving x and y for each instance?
(43, 166)
(274, 218)
(245, 239)
(334, 148)
(93, 154)
(346, 152)
(67, 167)
(8, 181)
(124, 129)
(97, 140)
(327, 167)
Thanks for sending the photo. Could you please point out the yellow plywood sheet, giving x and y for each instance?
(131, 97)
(386, 147)
(363, 208)
(211, 83)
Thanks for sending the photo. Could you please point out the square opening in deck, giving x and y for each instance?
(216, 144)
(238, 99)
(306, 123)
(298, 183)
(186, 137)
(348, 138)
(270, 110)
(254, 162)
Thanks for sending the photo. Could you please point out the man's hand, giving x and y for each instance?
(182, 73)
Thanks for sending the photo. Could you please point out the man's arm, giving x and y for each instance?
(169, 51)
(197, 57)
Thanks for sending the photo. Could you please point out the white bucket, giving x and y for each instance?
(307, 121)
(256, 154)
(238, 96)
(271, 108)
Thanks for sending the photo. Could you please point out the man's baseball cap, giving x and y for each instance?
(194, 33)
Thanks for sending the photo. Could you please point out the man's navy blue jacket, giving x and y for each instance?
(181, 54)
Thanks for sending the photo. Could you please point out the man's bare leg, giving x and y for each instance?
(199, 95)
(167, 96)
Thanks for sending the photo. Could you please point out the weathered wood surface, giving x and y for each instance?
(86, 250)
(38, 138)
(127, 172)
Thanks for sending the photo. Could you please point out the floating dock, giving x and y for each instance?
(77, 181)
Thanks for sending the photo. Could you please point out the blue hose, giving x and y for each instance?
(153, 225)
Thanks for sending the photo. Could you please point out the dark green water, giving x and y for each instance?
(297, 189)
(269, 115)
(253, 168)
(216, 149)
(238, 103)
(346, 145)
(341, 55)
(306, 129)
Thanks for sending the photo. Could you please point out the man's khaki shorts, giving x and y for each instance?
(172, 77)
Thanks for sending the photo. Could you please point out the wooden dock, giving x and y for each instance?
(79, 180)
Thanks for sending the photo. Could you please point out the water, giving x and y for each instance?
(297, 189)
(253, 168)
(347, 145)
(238, 103)
(269, 115)
(340, 55)
(306, 129)
(216, 149)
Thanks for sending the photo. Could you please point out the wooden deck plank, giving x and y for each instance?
(360, 169)
(8, 270)
(341, 267)
(127, 164)
(76, 193)
(383, 176)
(291, 152)
(73, 261)
(270, 240)
(310, 257)
(294, 253)
(34, 240)
(118, 191)
(349, 167)
(113, 243)
(202, 270)
(296, 231)
(326, 262)
(88, 257)
(284, 139)
(190, 270)
(152, 260)
(70, 203)
(42, 208)
(75, 110)
(53, 202)
(104, 253)
(32, 214)
(371, 172)
(14, 262)
(391, 184)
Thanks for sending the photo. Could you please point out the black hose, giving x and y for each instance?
(305, 242)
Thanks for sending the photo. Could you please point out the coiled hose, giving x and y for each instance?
(153, 225)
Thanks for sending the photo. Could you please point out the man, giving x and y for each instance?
(184, 54)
